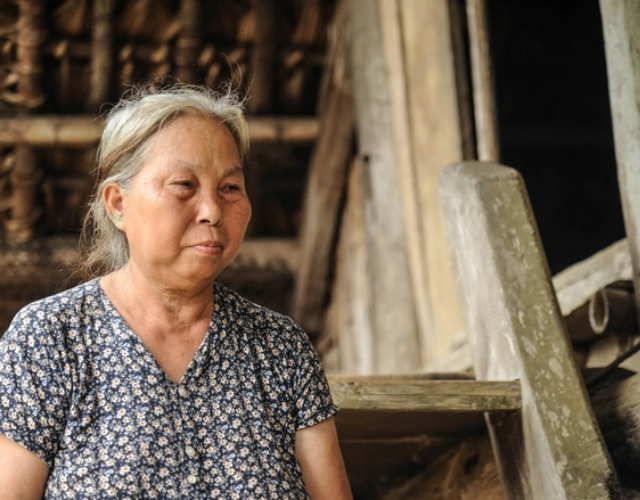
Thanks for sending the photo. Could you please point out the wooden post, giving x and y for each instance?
(263, 58)
(620, 19)
(553, 447)
(436, 140)
(25, 173)
(79, 131)
(102, 54)
(397, 341)
(325, 188)
(188, 43)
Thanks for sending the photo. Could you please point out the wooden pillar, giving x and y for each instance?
(324, 192)
(25, 174)
(189, 41)
(394, 322)
(263, 58)
(101, 54)
(433, 113)
(620, 19)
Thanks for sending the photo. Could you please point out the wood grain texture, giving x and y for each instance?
(553, 447)
(620, 20)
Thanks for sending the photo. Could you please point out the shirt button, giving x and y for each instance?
(182, 390)
(191, 479)
(190, 451)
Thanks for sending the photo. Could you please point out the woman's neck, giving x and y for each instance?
(158, 303)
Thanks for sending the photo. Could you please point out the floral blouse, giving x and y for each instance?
(79, 389)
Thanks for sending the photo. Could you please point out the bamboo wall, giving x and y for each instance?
(63, 61)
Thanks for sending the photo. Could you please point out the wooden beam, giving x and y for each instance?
(25, 174)
(84, 131)
(397, 81)
(552, 448)
(362, 393)
(620, 19)
(263, 58)
(436, 140)
(577, 283)
(325, 188)
(396, 336)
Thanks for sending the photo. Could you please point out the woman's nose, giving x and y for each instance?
(210, 210)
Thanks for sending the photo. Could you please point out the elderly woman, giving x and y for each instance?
(150, 380)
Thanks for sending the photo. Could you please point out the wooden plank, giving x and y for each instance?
(553, 447)
(425, 395)
(325, 188)
(576, 284)
(348, 329)
(620, 20)
(436, 140)
(396, 339)
(394, 57)
(85, 131)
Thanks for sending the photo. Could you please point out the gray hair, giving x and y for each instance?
(125, 146)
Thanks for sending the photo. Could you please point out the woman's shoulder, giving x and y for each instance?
(231, 306)
(60, 307)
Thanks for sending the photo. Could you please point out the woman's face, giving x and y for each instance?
(187, 209)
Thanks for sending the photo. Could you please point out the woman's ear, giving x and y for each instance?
(112, 197)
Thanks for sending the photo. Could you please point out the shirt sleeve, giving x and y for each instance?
(313, 398)
(32, 399)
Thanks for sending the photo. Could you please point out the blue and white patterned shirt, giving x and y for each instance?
(79, 389)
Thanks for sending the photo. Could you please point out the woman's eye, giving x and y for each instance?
(231, 188)
(184, 184)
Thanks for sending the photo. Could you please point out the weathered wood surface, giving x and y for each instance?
(325, 189)
(552, 448)
(391, 27)
(620, 20)
(436, 140)
(348, 327)
(580, 281)
(84, 131)
(425, 395)
(396, 342)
